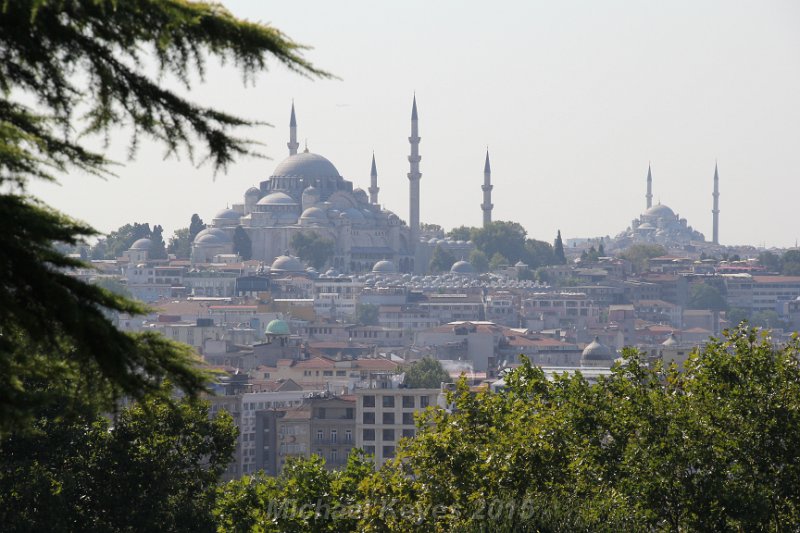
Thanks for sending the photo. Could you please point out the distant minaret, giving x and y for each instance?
(293, 144)
(373, 188)
(487, 192)
(649, 187)
(715, 211)
(413, 177)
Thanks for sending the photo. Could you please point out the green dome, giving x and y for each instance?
(277, 327)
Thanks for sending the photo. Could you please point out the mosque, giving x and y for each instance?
(306, 193)
(659, 224)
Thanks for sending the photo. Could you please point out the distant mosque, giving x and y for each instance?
(661, 225)
(306, 193)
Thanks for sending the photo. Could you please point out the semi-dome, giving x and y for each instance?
(277, 327)
(384, 267)
(660, 210)
(360, 195)
(142, 244)
(277, 198)
(253, 191)
(306, 165)
(287, 263)
(462, 267)
(597, 352)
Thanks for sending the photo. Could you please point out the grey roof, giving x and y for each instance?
(384, 267)
(229, 214)
(253, 191)
(486, 168)
(660, 210)
(287, 263)
(596, 351)
(462, 267)
(306, 165)
(373, 171)
(292, 120)
(414, 109)
(142, 244)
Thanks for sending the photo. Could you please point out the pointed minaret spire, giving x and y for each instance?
(649, 195)
(293, 145)
(373, 187)
(715, 210)
(414, 176)
(487, 205)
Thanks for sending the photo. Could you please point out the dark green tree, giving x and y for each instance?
(91, 66)
(155, 468)
(179, 244)
(441, 260)
(790, 263)
(539, 253)
(497, 261)
(158, 249)
(242, 244)
(426, 373)
(196, 225)
(367, 314)
(479, 261)
(313, 248)
(706, 296)
(504, 238)
(118, 241)
(558, 250)
(640, 254)
(461, 233)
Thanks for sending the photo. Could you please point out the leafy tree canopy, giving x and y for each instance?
(313, 248)
(367, 314)
(242, 244)
(441, 260)
(558, 250)
(640, 254)
(706, 296)
(479, 261)
(179, 244)
(426, 373)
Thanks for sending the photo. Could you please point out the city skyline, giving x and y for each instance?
(572, 110)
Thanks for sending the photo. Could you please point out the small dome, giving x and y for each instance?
(142, 244)
(253, 191)
(597, 352)
(331, 273)
(212, 231)
(314, 215)
(671, 340)
(354, 214)
(646, 226)
(384, 267)
(211, 239)
(287, 263)
(520, 264)
(306, 165)
(228, 214)
(462, 267)
(360, 195)
(277, 327)
(277, 198)
(660, 210)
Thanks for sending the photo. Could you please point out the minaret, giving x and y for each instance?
(413, 177)
(293, 144)
(487, 192)
(649, 195)
(715, 211)
(373, 188)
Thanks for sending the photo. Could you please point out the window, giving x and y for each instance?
(369, 450)
(369, 401)
(409, 433)
(348, 413)
(321, 412)
(408, 419)
(388, 434)
(334, 455)
(369, 418)
(327, 372)
(368, 434)
(348, 436)
(320, 434)
(333, 435)
(388, 452)
(388, 418)
(423, 401)
(408, 402)
(388, 401)
(341, 372)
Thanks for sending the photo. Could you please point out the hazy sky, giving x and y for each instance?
(572, 98)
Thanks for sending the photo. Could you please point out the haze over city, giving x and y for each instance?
(572, 99)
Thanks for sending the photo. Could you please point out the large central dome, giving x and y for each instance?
(306, 165)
